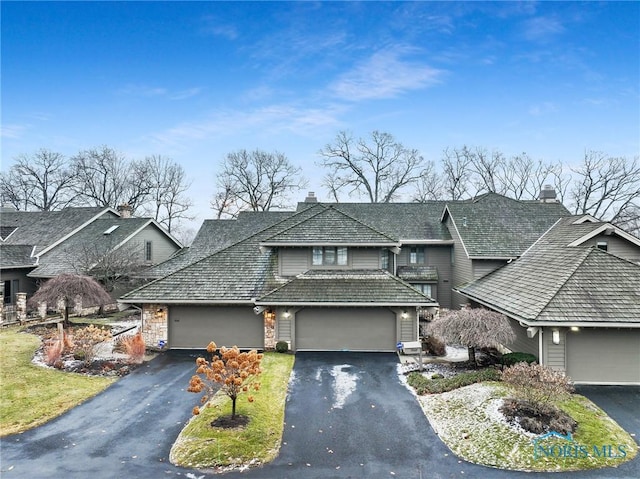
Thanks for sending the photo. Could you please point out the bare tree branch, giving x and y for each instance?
(377, 168)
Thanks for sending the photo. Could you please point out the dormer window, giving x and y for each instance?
(329, 256)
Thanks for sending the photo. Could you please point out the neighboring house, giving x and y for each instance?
(347, 276)
(574, 300)
(38, 245)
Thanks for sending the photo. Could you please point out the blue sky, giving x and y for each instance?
(197, 80)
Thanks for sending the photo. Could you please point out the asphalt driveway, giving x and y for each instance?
(348, 416)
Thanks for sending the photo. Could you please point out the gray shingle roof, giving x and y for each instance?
(569, 284)
(346, 287)
(418, 273)
(43, 228)
(494, 226)
(16, 256)
(328, 226)
(90, 242)
(215, 235)
(404, 221)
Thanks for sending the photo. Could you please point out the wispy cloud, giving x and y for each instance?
(269, 120)
(212, 25)
(13, 132)
(386, 74)
(542, 29)
(154, 91)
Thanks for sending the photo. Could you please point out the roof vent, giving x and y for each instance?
(547, 194)
(311, 198)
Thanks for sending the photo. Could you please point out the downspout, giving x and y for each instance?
(540, 345)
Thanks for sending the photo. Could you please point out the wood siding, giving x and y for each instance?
(618, 246)
(440, 257)
(162, 247)
(554, 354)
(482, 267)
(523, 343)
(294, 261)
(284, 329)
(462, 271)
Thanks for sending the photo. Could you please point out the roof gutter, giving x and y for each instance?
(340, 303)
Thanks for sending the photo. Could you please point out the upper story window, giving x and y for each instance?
(148, 251)
(416, 255)
(602, 245)
(329, 256)
(384, 259)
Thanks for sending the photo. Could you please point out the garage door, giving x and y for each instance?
(604, 356)
(345, 329)
(194, 327)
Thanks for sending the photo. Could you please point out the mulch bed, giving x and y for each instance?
(227, 423)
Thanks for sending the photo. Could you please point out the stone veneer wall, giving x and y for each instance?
(155, 326)
(270, 335)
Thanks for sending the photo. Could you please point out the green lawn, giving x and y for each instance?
(31, 395)
(202, 446)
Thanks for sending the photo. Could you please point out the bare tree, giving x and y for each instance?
(430, 185)
(167, 191)
(472, 327)
(376, 169)
(606, 187)
(111, 265)
(255, 180)
(69, 288)
(39, 181)
(457, 173)
(106, 178)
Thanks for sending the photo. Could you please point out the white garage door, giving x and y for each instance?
(604, 356)
(345, 329)
(194, 327)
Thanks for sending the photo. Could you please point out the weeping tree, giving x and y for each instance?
(473, 328)
(70, 288)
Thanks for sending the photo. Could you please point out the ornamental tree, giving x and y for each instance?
(231, 371)
(473, 328)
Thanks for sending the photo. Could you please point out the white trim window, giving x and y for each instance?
(423, 288)
(329, 256)
(416, 255)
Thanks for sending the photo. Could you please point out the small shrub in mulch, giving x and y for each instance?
(424, 385)
(228, 422)
(282, 347)
(537, 418)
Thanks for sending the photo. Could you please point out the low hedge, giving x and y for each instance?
(510, 359)
(424, 385)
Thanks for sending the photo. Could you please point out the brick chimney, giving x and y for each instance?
(125, 210)
(311, 198)
(547, 194)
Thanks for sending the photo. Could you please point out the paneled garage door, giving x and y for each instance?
(607, 356)
(194, 327)
(345, 329)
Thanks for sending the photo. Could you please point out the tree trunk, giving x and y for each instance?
(472, 356)
(66, 321)
(233, 408)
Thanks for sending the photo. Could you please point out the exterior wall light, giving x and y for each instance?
(404, 315)
(555, 336)
(287, 314)
(575, 328)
